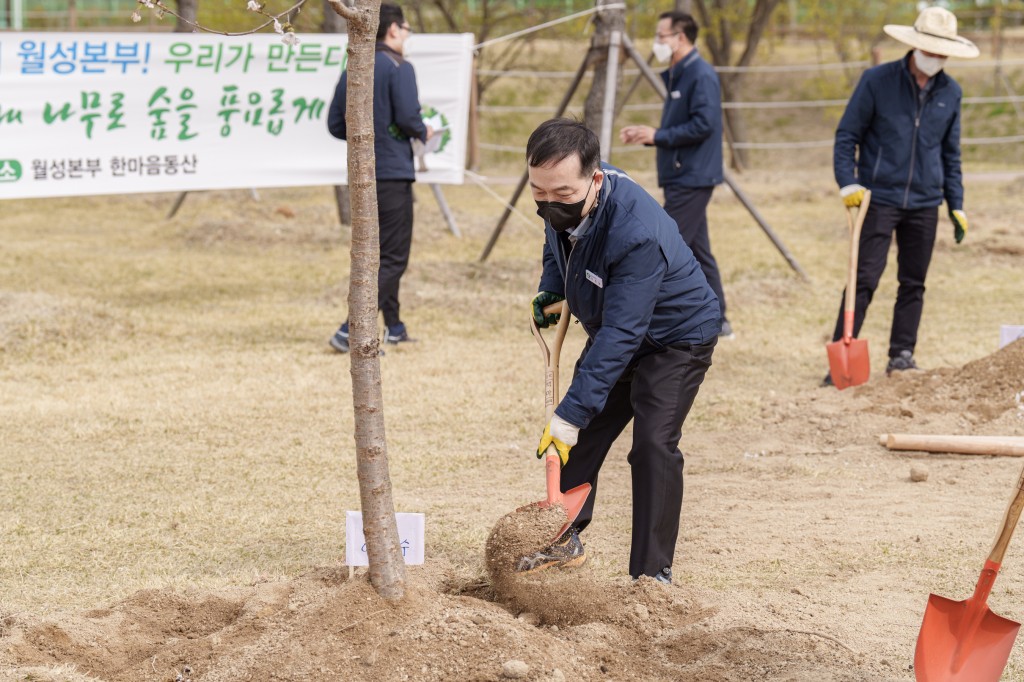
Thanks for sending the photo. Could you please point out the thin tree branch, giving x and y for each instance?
(158, 5)
(343, 10)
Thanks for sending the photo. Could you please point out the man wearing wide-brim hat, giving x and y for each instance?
(900, 138)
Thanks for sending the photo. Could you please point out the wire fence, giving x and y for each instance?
(784, 106)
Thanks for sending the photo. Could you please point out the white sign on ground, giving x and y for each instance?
(410, 536)
(112, 113)
(1008, 333)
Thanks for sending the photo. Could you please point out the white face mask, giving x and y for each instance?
(662, 52)
(929, 66)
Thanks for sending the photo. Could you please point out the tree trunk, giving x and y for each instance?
(387, 568)
(718, 30)
(335, 23)
(187, 9)
(604, 23)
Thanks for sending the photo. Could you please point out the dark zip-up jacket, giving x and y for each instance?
(633, 284)
(909, 146)
(396, 114)
(689, 141)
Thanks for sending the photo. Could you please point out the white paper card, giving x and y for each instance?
(410, 536)
(1008, 333)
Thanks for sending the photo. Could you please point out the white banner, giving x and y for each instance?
(111, 113)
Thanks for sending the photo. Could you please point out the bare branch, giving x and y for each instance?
(161, 7)
(349, 13)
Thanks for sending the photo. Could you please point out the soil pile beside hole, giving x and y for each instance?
(984, 389)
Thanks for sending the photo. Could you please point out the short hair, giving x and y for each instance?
(390, 13)
(559, 138)
(682, 22)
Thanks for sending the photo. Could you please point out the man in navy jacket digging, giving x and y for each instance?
(652, 323)
(900, 138)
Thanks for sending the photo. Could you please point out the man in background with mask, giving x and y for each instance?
(396, 121)
(689, 141)
(900, 138)
(652, 323)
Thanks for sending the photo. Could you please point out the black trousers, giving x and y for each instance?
(657, 393)
(394, 213)
(915, 240)
(688, 207)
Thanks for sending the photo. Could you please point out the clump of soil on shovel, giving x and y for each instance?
(553, 595)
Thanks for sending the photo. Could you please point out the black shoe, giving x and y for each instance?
(901, 363)
(339, 341)
(726, 332)
(664, 576)
(565, 552)
(827, 381)
(398, 334)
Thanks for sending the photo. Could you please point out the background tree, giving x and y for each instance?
(605, 22)
(725, 24)
(387, 568)
(188, 11)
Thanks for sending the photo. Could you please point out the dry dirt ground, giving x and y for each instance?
(176, 454)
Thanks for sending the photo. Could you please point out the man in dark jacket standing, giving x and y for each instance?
(900, 138)
(652, 323)
(396, 120)
(689, 141)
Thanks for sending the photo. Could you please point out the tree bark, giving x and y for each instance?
(187, 9)
(387, 568)
(604, 23)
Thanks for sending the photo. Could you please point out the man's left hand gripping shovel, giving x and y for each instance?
(571, 500)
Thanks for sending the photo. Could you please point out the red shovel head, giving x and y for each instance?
(962, 641)
(848, 362)
(572, 500)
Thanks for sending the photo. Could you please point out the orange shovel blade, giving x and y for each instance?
(951, 649)
(848, 362)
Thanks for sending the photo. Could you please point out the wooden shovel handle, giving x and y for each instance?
(551, 354)
(850, 301)
(1009, 522)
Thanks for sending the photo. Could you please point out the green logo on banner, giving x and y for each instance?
(10, 170)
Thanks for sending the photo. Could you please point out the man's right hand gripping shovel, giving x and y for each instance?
(571, 500)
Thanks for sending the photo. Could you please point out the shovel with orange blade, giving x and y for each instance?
(572, 500)
(963, 641)
(848, 360)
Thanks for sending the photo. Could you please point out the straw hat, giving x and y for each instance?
(935, 32)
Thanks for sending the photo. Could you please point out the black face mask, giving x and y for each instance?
(563, 216)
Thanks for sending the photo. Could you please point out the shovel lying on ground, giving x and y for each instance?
(963, 641)
(572, 500)
(848, 360)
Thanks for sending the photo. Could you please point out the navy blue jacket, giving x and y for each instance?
(689, 141)
(633, 284)
(396, 114)
(909, 151)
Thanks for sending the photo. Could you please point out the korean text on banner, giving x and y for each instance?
(410, 536)
(95, 113)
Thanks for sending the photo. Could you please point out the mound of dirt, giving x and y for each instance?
(983, 389)
(552, 596)
(30, 320)
(326, 626)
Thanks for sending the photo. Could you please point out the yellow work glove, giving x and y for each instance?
(541, 301)
(562, 435)
(852, 195)
(959, 219)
